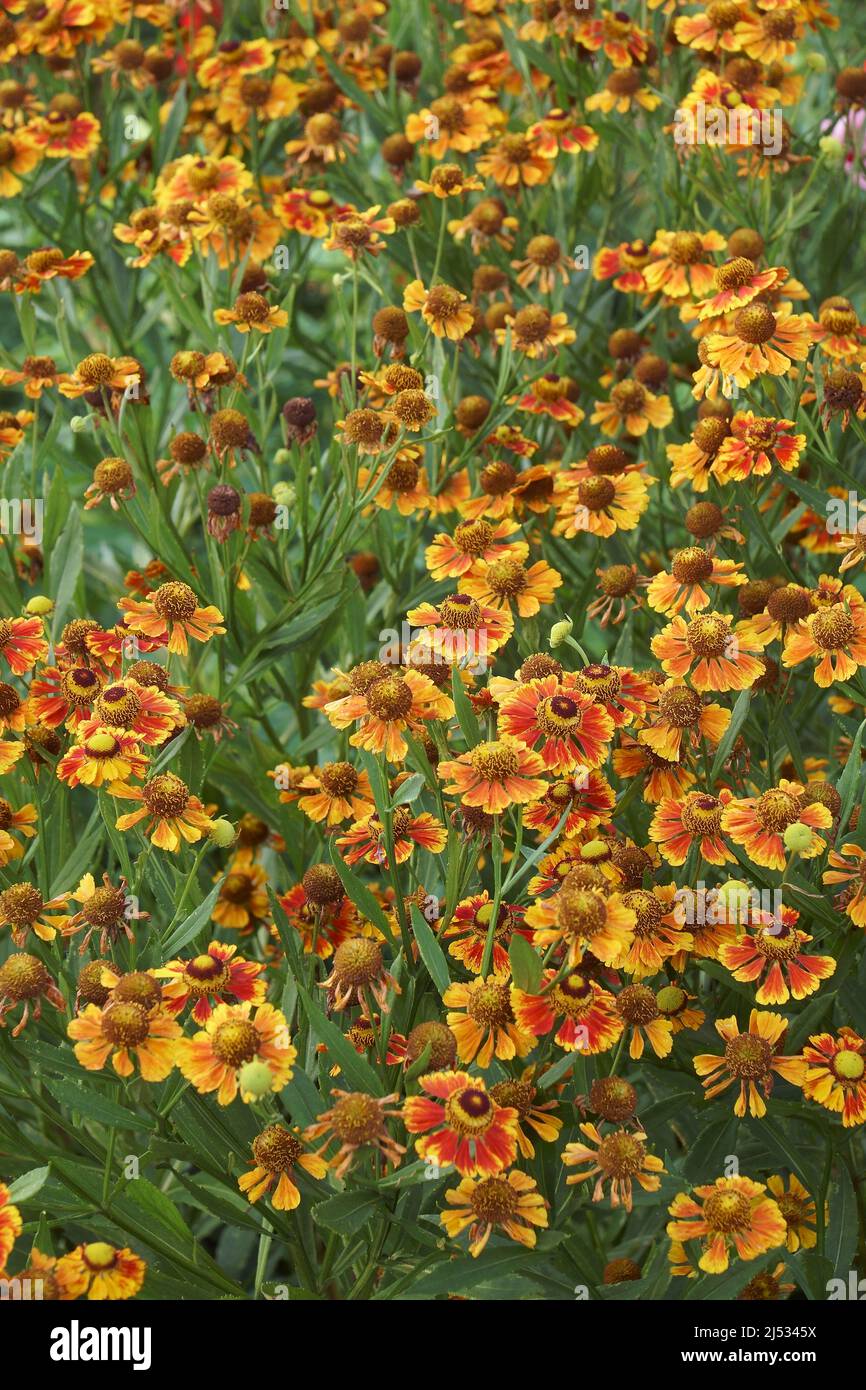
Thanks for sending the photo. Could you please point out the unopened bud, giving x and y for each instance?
(222, 833)
(560, 631)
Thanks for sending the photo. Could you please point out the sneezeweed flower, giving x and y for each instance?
(624, 264)
(839, 332)
(638, 1009)
(483, 1022)
(739, 282)
(681, 715)
(23, 909)
(834, 1074)
(750, 1059)
(49, 263)
(357, 1121)
(101, 755)
(470, 924)
(494, 775)
(517, 161)
(712, 28)
(277, 1151)
(215, 1058)
(585, 799)
(658, 934)
(501, 583)
(715, 654)
(589, 1023)
(101, 373)
(335, 792)
(584, 919)
(730, 1212)
(619, 1158)
(125, 1030)
(775, 951)
(462, 1126)
(798, 1209)
(112, 479)
(358, 972)
(385, 704)
(510, 1203)
(520, 1095)
(693, 462)
(173, 815)
(172, 614)
(454, 124)
(242, 902)
(683, 586)
(11, 1225)
(754, 443)
(25, 980)
(762, 341)
(696, 819)
(602, 505)
(460, 630)
(102, 1271)
(22, 643)
(252, 311)
(12, 823)
(834, 638)
(847, 866)
(444, 309)
(449, 181)
(758, 823)
(544, 264)
(681, 263)
(535, 331)
(366, 839)
(451, 556)
(38, 374)
(106, 909)
(633, 408)
(572, 729)
(213, 975)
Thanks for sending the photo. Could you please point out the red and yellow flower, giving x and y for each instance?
(750, 1059)
(461, 1124)
(729, 1212)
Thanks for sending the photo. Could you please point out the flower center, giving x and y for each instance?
(470, 1111)
(748, 1056)
(235, 1042)
(494, 761)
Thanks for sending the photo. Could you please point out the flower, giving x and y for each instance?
(834, 1074)
(494, 775)
(589, 1020)
(618, 1158)
(853, 875)
(470, 921)
(11, 1225)
(471, 1131)
(102, 1271)
(584, 919)
(276, 1153)
(335, 792)
(101, 755)
(681, 264)
(499, 583)
(759, 823)
(520, 1095)
(22, 643)
(98, 372)
(172, 614)
(23, 909)
(24, 979)
(444, 310)
(511, 1204)
(775, 950)
(750, 1058)
(696, 818)
(483, 1022)
(572, 728)
(357, 1121)
(602, 505)
(834, 636)
(124, 1029)
(535, 331)
(639, 1009)
(731, 1212)
(366, 838)
(632, 406)
(358, 972)
(798, 1209)
(384, 704)
(214, 1058)
(754, 443)
(681, 714)
(252, 310)
(683, 587)
(212, 974)
(174, 814)
(720, 654)
(761, 341)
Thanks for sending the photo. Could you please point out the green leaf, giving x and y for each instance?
(738, 715)
(463, 708)
(189, 928)
(65, 567)
(355, 1068)
(358, 893)
(82, 1098)
(348, 1212)
(526, 968)
(157, 1206)
(25, 1188)
(841, 1243)
(431, 952)
(847, 784)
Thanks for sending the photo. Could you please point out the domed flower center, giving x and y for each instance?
(637, 1005)
(23, 977)
(358, 962)
(490, 1005)
(710, 434)
(849, 1065)
(621, 1155)
(755, 324)
(473, 537)
(702, 815)
(680, 706)
(558, 714)
(460, 613)
(389, 699)
(175, 601)
(580, 912)
(205, 974)
(833, 628)
(789, 604)
(686, 248)
(507, 578)
(498, 478)
(118, 705)
(236, 1041)
(494, 1201)
(166, 795)
(709, 635)
(338, 779)
(777, 809)
(105, 907)
(738, 271)
(79, 685)
(99, 1256)
(596, 493)
(469, 1111)
(125, 1023)
(629, 397)
(748, 1056)
(276, 1149)
(21, 904)
(723, 14)
(728, 1211)
(647, 909)
(692, 565)
(671, 1000)
(357, 1119)
(532, 324)
(494, 761)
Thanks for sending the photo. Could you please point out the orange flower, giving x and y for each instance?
(759, 823)
(738, 283)
(471, 1131)
(602, 505)
(252, 310)
(683, 587)
(853, 875)
(172, 612)
(445, 310)
(510, 1203)
(101, 755)
(835, 636)
(712, 29)
(46, 264)
(658, 936)
(633, 407)
(586, 799)
(638, 1008)
(834, 1074)
(720, 655)
(333, 793)
(242, 903)
(495, 775)
(694, 820)
(357, 1121)
(754, 444)
(762, 341)
(449, 557)
(276, 1153)
(11, 1225)
(19, 154)
(535, 331)
(122, 1030)
(589, 1024)
(216, 1058)
(451, 123)
(23, 909)
(682, 714)
(624, 264)
(518, 161)
(386, 705)
(680, 264)
(751, 1059)
(665, 776)
(99, 372)
(175, 815)
(470, 921)
(499, 583)
(459, 630)
(101, 1271)
(732, 1211)
(619, 1158)
(483, 1022)
(774, 950)
(572, 727)
(367, 837)
(584, 919)
(22, 643)
(215, 974)
(769, 38)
